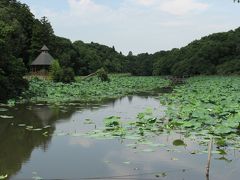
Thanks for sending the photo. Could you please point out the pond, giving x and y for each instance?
(56, 149)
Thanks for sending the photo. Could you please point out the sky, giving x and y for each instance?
(138, 25)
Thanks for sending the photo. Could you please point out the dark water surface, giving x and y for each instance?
(55, 149)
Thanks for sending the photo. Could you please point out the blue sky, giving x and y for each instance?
(138, 25)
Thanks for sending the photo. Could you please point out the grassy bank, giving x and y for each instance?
(93, 90)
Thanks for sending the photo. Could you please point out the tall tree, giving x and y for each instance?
(11, 68)
(43, 34)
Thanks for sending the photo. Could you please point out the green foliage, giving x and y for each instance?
(95, 90)
(42, 34)
(229, 67)
(67, 75)
(145, 127)
(11, 68)
(113, 126)
(103, 75)
(94, 56)
(22, 36)
(3, 176)
(58, 74)
(55, 71)
(209, 55)
(112, 122)
(16, 21)
(28, 35)
(141, 65)
(193, 110)
(206, 105)
(67, 54)
(179, 142)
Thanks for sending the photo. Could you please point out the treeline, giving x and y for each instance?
(95, 56)
(218, 53)
(15, 39)
(28, 35)
(22, 36)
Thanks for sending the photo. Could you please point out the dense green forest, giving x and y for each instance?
(215, 54)
(218, 53)
(22, 36)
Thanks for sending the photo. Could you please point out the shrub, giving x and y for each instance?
(103, 75)
(229, 67)
(58, 74)
(11, 79)
(55, 71)
(67, 75)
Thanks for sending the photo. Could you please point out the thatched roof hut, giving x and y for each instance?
(43, 61)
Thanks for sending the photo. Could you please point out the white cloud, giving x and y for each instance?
(82, 7)
(88, 11)
(182, 7)
(137, 25)
(146, 2)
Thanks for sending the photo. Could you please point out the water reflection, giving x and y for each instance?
(17, 143)
(73, 157)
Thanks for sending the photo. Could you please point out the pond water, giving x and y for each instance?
(55, 149)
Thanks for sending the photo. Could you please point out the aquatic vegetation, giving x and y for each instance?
(179, 142)
(207, 106)
(88, 121)
(6, 117)
(112, 122)
(3, 109)
(146, 134)
(204, 107)
(89, 91)
(140, 130)
(3, 176)
(35, 176)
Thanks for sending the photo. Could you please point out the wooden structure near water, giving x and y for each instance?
(42, 63)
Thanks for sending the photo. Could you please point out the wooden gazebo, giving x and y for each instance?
(43, 62)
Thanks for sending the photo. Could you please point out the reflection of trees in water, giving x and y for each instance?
(17, 143)
(115, 101)
(130, 98)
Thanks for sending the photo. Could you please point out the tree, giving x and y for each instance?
(103, 75)
(11, 68)
(42, 34)
(93, 56)
(209, 55)
(130, 53)
(58, 74)
(55, 71)
(67, 75)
